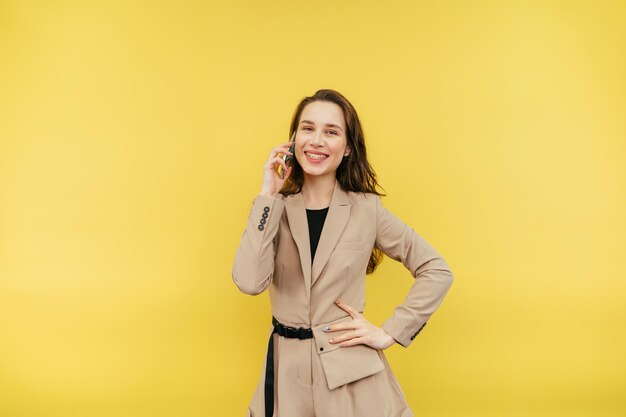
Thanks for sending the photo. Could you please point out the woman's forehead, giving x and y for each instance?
(322, 113)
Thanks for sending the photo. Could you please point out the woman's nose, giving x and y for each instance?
(317, 139)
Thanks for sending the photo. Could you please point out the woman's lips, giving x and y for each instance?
(315, 160)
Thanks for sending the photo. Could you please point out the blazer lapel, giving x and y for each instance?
(299, 226)
(336, 219)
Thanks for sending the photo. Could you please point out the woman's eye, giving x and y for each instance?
(306, 128)
(332, 131)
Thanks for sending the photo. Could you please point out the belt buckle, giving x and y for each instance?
(302, 333)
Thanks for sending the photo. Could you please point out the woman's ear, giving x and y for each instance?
(347, 152)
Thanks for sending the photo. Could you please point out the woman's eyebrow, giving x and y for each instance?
(327, 124)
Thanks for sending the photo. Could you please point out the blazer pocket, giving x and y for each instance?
(343, 365)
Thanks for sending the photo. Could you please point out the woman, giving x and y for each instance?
(313, 233)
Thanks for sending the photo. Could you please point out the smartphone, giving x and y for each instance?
(286, 157)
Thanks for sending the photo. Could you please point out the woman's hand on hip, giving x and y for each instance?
(361, 331)
(272, 182)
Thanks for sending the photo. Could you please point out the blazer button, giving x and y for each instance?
(321, 349)
(266, 209)
(265, 215)
(261, 227)
(263, 221)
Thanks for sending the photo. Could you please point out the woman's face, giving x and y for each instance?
(321, 139)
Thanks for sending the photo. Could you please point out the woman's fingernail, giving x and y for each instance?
(337, 301)
(332, 340)
(325, 328)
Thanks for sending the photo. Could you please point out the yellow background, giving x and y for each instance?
(132, 140)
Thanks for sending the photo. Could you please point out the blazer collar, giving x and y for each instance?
(336, 219)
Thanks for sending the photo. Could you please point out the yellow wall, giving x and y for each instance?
(132, 139)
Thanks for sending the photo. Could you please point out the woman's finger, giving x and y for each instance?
(276, 160)
(355, 341)
(348, 325)
(286, 175)
(355, 314)
(284, 148)
(344, 337)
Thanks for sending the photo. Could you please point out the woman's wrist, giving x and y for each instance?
(390, 340)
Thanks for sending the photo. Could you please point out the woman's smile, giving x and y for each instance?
(315, 157)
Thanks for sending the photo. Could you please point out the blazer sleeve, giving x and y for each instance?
(432, 274)
(253, 266)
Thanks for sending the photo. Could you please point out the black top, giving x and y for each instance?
(316, 219)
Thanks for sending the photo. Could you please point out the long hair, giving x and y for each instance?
(354, 173)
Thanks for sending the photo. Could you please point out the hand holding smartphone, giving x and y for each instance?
(275, 169)
(288, 157)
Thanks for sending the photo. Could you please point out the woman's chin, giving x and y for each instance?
(316, 173)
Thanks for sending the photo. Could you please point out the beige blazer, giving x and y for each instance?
(274, 253)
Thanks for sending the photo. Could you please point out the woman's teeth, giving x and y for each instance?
(315, 156)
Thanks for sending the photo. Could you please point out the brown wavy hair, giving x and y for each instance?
(354, 173)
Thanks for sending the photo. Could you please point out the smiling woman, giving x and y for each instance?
(321, 144)
(311, 238)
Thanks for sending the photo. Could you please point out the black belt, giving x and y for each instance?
(290, 333)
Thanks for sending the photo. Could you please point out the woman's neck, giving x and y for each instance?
(317, 191)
